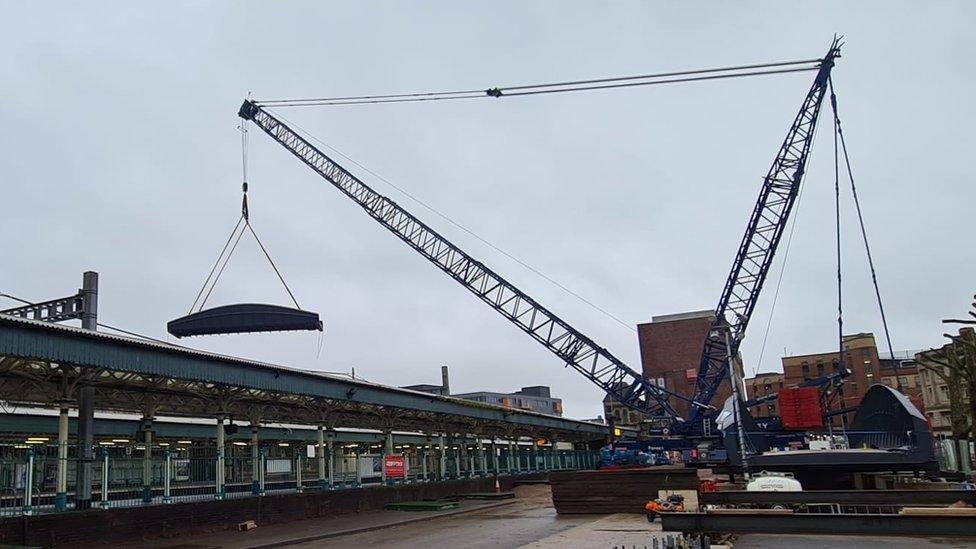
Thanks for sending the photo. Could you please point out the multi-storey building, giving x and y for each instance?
(861, 358)
(620, 414)
(537, 398)
(935, 394)
(671, 350)
(763, 384)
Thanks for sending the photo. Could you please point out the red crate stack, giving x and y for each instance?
(799, 408)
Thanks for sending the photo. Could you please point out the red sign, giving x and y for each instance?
(394, 466)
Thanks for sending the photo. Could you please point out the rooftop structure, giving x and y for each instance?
(537, 398)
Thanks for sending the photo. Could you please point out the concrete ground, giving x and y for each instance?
(530, 521)
(527, 521)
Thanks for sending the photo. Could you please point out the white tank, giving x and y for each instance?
(774, 482)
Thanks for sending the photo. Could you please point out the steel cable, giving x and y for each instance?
(554, 87)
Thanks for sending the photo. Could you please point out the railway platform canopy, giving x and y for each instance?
(45, 364)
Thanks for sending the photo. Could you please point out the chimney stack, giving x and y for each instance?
(445, 382)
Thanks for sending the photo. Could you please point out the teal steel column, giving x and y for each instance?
(256, 488)
(555, 454)
(167, 472)
(61, 497)
(219, 492)
(29, 484)
(341, 458)
(262, 454)
(442, 458)
(298, 468)
(104, 504)
(535, 457)
(355, 466)
(331, 449)
(481, 457)
(463, 454)
(320, 456)
(422, 452)
(456, 450)
(518, 458)
(388, 449)
(494, 457)
(147, 460)
(508, 458)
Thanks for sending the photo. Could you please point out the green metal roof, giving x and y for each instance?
(41, 341)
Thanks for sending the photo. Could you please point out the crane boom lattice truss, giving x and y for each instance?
(779, 192)
(571, 346)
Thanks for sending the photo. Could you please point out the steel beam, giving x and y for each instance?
(866, 525)
(840, 497)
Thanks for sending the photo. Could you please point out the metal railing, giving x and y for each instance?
(129, 475)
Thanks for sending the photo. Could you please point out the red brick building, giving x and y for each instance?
(763, 384)
(671, 348)
(866, 367)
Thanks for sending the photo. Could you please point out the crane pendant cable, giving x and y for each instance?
(244, 317)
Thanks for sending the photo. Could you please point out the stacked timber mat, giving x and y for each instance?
(422, 506)
(616, 490)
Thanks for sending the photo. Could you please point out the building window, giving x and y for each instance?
(806, 369)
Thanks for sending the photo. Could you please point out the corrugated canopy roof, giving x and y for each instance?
(42, 363)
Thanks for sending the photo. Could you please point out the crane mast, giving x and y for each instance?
(570, 345)
(779, 192)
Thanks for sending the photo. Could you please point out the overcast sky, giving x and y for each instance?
(119, 153)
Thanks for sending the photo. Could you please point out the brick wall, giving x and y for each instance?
(671, 349)
(169, 521)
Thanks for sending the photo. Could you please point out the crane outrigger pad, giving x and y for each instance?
(244, 318)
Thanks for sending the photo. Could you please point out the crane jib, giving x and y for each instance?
(570, 345)
(754, 258)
